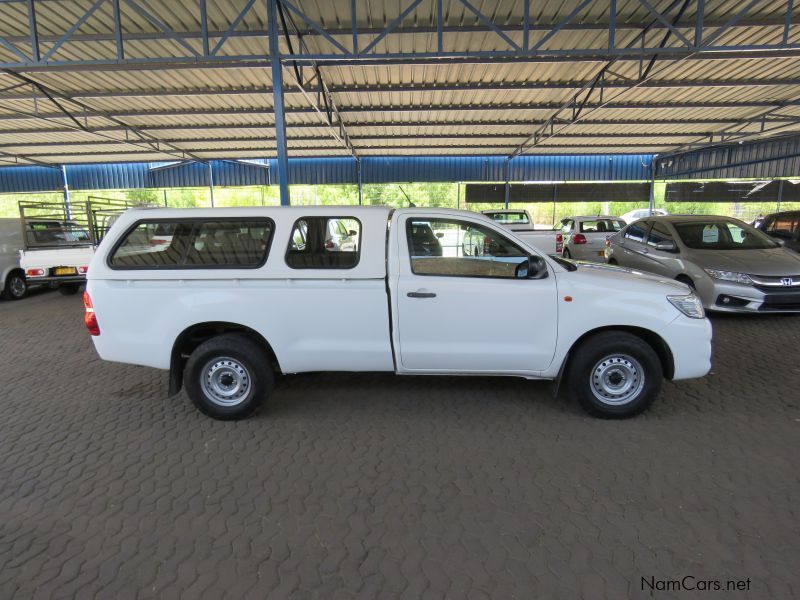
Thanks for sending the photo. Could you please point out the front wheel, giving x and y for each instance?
(15, 287)
(615, 374)
(228, 377)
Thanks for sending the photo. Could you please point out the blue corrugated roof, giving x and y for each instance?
(395, 169)
(778, 157)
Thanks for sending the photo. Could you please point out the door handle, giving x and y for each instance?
(421, 295)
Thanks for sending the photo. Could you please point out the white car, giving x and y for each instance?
(584, 238)
(13, 285)
(641, 213)
(520, 222)
(225, 319)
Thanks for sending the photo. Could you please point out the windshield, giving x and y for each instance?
(723, 235)
(510, 218)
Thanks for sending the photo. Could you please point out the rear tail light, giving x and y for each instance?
(608, 242)
(578, 238)
(559, 242)
(329, 244)
(89, 317)
(83, 270)
(34, 272)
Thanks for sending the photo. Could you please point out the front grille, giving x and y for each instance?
(773, 282)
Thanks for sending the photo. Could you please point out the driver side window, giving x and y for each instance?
(453, 248)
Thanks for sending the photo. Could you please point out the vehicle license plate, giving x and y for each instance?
(65, 271)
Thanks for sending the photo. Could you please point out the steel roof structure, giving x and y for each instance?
(88, 81)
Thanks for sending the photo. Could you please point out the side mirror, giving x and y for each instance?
(440, 235)
(533, 268)
(666, 247)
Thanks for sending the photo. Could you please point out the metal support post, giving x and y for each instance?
(211, 182)
(277, 101)
(65, 181)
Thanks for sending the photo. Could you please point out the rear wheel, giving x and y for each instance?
(615, 374)
(612, 261)
(15, 286)
(228, 377)
(69, 289)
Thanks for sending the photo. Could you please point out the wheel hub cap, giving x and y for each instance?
(17, 287)
(226, 382)
(617, 379)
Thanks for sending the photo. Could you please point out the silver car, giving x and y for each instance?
(732, 266)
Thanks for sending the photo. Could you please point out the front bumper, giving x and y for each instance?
(723, 296)
(689, 341)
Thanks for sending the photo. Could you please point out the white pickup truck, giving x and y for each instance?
(549, 241)
(57, 253)
(238, 296)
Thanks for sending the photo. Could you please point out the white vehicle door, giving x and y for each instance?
(462, 312)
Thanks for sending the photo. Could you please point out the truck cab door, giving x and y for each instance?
(463, 311)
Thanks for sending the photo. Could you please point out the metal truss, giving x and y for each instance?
(67, 108)
(407, 108)
(526, 39)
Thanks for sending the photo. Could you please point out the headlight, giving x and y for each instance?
(742, 278)
(689, 305)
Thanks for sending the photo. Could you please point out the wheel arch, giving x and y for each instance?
(194, 335)
(655, 341)
(9, 271)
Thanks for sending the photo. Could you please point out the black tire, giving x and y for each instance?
(69, 289)
(15, 286)
(612, 261)
(231, 352)
(607, 353)
(687, 280)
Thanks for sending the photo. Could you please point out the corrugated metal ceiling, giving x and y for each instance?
(445, 107)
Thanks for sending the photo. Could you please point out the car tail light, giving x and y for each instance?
(329, 244)
(608, 242)
(34, 272)
(83, 270)
(90, 318)
(559, 242)
(578, 238)
(157, 242)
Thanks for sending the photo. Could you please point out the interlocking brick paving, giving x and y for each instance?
(376, 486)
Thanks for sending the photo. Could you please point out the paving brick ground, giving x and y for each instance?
(375, 486)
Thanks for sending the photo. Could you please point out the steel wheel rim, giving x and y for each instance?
(17, 287)
(617, 379)
(226, 381)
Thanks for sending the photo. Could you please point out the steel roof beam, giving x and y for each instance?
(258, 32)
(357, 138)
(545, 106)
(257, 61)
(418, 87)
(400, 124)
(25, 49)
(254, 151)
